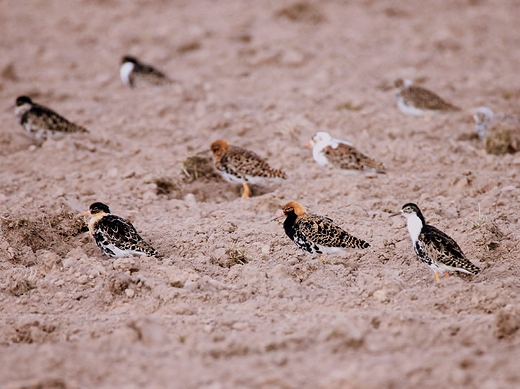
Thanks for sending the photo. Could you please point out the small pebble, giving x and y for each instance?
(129, 292)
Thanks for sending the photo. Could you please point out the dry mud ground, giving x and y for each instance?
(233, 303)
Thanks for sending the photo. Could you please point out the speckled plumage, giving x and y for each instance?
(115, 236)
(340, 154)
(416, 101)
(239, 165)
(433, 247)
(316, 234)
(134, 74)
(41, 122)
(486, 121)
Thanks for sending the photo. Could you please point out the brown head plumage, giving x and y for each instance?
(219, 148)
(294, 207)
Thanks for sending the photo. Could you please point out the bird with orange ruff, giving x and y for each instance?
(316, 234)
(239, 165)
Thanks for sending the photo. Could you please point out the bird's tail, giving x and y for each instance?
(276, 173)
(376, 165)
(451, 107)
(148, 249)
(353, 242)
(78, 128)
(471, 268)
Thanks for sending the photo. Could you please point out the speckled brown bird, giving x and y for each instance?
(340, 154)
(41, 122)
(316, 234)
(433, 247)
(134, 74)
(115, 236)
(239, 165)
(416, 101)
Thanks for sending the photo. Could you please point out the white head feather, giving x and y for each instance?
(319, 142)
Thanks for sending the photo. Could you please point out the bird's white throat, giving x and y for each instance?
(19, 111)
(414, 225)
(125, 71)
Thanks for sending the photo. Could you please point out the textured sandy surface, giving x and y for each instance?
(265, 75)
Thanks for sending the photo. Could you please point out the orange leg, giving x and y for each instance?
(323, 259)
(437, 277)
(246, 192)
(446, 274)
(427, 117)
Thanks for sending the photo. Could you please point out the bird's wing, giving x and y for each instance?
(425, 99)
(346, 156)
(323, 231)
(151, 74)
(439, 246)
(119, 232)
(247, 163)
(45, 118)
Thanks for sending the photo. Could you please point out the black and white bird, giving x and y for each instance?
(115, 236)
(134, 74)
(416, 101)
(316, 234)
(41, 122)
(433, 247)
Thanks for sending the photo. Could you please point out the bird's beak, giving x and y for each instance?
(85, 214)
(309, 144)
(278, 215)
(395, 214)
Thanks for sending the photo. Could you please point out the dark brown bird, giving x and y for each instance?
(316, 234)
(41, 122)
(115, 236)
(242, 166)
(416, 101)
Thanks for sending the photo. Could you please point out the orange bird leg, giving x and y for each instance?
(246, 192)
(437, 277)
(446, 274)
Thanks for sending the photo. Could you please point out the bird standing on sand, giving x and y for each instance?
(134, 73)
(486, 121)
(239, 165)
(416, 101)
(115, 236)
(340, 154)
(316, 234)
(41, 122)
(433, 247)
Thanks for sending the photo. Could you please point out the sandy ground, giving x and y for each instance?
(233, 303)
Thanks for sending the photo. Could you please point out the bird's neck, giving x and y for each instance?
(19, 111)
(125, 71)
(317, 153)
(415, 225)
(94, 219)
(288, 224)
